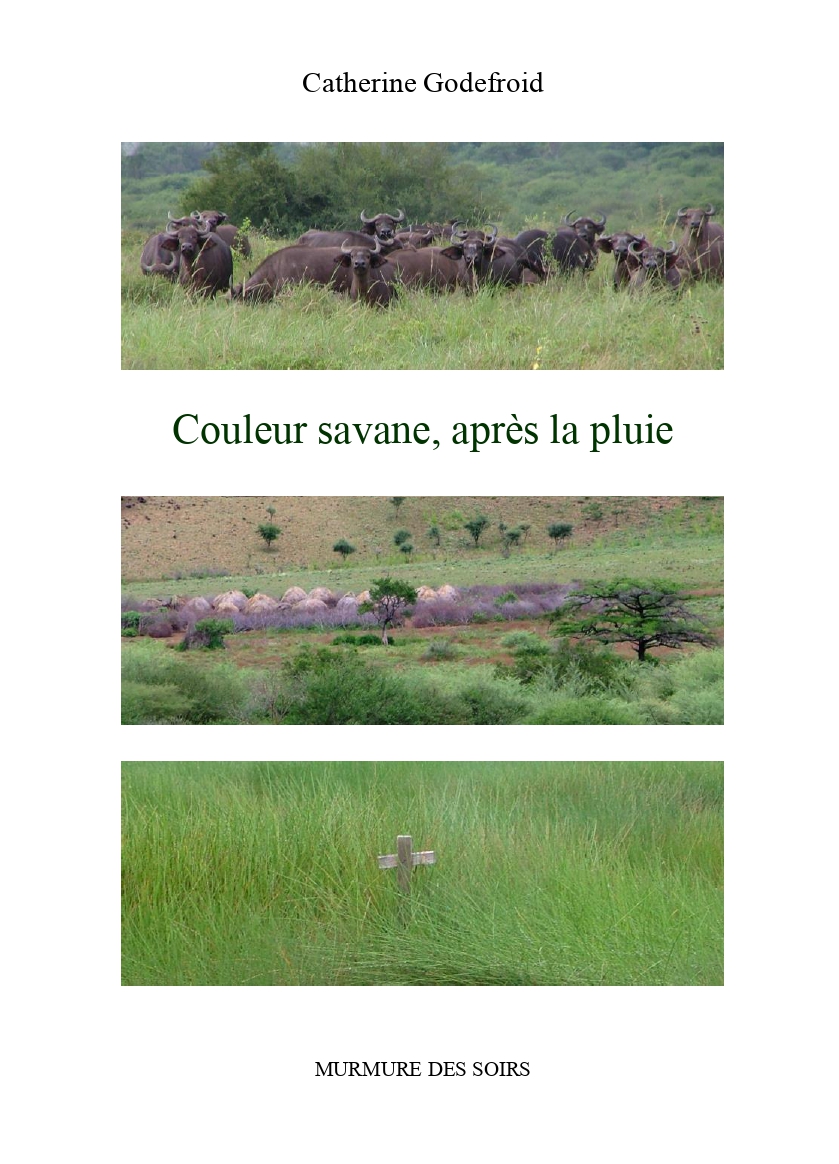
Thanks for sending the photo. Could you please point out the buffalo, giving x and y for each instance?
(292, 265)
(232, 235)
(427, 267)
(336, 238)
(626, 260)
(159, 260)
(382, 226)
(416, 236)
(573, 245)
(488, 259)
(367, 282)
(205, 261)
(656, 266)
(701, 246)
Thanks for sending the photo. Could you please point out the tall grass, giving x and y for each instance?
(564, 323)
(547, 874)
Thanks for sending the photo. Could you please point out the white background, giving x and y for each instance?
(110, 1074)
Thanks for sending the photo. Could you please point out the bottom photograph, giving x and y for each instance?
(422, 874)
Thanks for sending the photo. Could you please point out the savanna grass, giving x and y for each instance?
(561, 324)
(547, 874)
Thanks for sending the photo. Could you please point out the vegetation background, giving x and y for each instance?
(546, 874)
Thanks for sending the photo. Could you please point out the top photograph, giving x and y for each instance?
(422, 255)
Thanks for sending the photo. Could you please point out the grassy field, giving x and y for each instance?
(546, 874)
(481, 665)
(561, 324)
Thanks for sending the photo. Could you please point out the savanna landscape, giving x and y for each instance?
(545, 874)
(553, 316)
(422, 610)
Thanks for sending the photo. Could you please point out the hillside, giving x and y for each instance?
(178, 537)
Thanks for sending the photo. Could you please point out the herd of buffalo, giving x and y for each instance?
(370, 264)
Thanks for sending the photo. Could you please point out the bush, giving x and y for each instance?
(341, 689)
(587, 709)
(131, 623)
(158, 687)
(208, 633)
(351, 640)
(439, 650)
(502, 599)
(490, 703)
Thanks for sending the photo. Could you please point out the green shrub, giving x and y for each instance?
(366, 640)
(489, 703)
(161, 688)
(131, 623)
(587, 709)
(502, 599)
(439, 650)
(208, 633)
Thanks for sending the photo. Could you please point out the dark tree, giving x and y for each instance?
(643, 614)
(343, 548)
(401, 536)
(396, 502)
(559, 531)
(477, 526)
(434, 534)
(389, 598)
(524, 526)
(269, 533)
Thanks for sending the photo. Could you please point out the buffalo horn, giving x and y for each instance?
(492, 237)
(671, 247)
(602, 221)
(378, 246)
(459, 233)
(710, 209)
(365, 219)
(401, 217)
(681, 211)
(634, 246)
(346, 247)
(567, 220)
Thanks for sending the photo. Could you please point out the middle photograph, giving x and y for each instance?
(422, 610)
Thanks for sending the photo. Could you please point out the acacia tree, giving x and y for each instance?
(643, 614)
(388, 600)
(343, 548)
(559, 531)
(269, 533)
(477, 526)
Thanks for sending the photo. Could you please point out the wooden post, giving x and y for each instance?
(404, 855)
(404, 860)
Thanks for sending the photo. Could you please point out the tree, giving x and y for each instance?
(396, 502)
(343, 548)
(477, 526)
(593, 511)
(271, 511)
(643, 614)
(388, 599)
(512, 537)
(401, 536)
(406, 548)
(434, 534)
(524, 526)
(559, 531)
(246, 179)
(269, 533)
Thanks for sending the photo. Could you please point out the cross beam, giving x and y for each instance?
(404, 860)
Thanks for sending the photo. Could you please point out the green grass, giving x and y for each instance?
(547, 874)
(565, 324)
(692, 560)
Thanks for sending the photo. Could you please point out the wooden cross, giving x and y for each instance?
(404, 860)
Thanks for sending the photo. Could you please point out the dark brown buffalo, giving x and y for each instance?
(417, 236)
(368, 281)
(488, 259)
(701, 246)
(158, 260)
(382, 226)
(336, 238)
(533, 242)
(626, 261)
(573, 245)
(206, 264)
(217, 221)
(428, 267)
(293, 265)
(656, 266)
